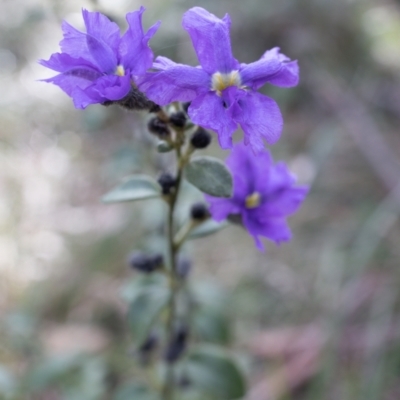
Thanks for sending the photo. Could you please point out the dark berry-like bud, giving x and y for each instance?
(149, 344)
(185, 106)
(167, 182)
(178, 119)
(146, 263)
(177, 345)
(199, 211)
(200, 139)
(147, 348)
(158, 127)
(183, 266)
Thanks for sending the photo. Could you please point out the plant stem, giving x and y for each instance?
(169, 384)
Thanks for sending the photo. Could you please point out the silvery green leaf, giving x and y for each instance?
(135, 391)
(213, 371)
(210, 176)
(163, 147)
(207, 228)
(136, 187)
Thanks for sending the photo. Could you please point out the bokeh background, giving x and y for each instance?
(320, 316)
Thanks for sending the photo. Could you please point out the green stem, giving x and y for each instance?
(169, 384)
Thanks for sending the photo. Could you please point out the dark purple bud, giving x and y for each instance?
(167, 182)
(177, 345)
(183, 266)
(147, 348)
(178, 119)
(158, 127)
(199, 211)
(149, 344)
(146, 263)
(200, 139)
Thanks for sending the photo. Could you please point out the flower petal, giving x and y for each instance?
(81, 45)
(243, 164)
(210, 37)
(175, 82)
(275, 229)
(100, 27)
(111, 87)
(208, 111)
(62, 62)
(102, 54)
(220, 209)
(259, 117)
(257, 73)
(134, 51)
(282, 203)
(73, 85)
(273, 67)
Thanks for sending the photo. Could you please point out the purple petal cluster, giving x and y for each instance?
(223, 92)
(264, 194)
(100, 65)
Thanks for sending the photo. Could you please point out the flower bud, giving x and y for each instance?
(199, 212)
(148, 347)
(167, 182)
(200, 139)
(183, 266)
(158, 127)
(177, 345)
(146, 263)
(178, 119)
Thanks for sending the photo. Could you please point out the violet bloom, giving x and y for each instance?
(223, 92)
(264, 195)
(98, 66)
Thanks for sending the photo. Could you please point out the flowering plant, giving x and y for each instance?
(102, 67)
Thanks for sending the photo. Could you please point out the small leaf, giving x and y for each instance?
(207, 228)
(211, 326)
(164, 147)
(135, 391)
(211, 370)
(210, 176)
(148, 299)
(138, 187)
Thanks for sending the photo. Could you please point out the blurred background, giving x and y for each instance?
(317, 318)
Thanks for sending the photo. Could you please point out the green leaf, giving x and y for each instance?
(148, 298)
(163, 147)
(135, 391)
(213, 371)
(210, 176)
(207, 228)
(212, 326)
(138, 187)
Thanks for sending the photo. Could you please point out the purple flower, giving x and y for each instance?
(223, 92)
(98, 66)
(264, 195)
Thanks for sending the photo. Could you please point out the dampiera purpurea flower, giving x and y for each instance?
(223, 92)
(99, 66)
(264, 194)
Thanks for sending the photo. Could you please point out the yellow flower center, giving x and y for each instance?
(253, 200)
(220, 81)
(120, 70)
